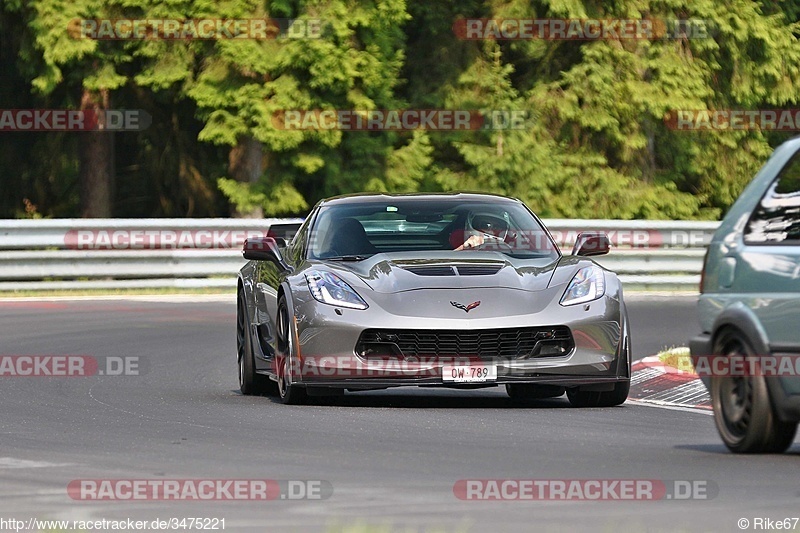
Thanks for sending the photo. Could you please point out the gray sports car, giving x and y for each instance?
(446, 290)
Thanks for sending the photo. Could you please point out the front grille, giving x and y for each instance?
(507, 343)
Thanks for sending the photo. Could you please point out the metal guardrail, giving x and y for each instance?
(181, 253)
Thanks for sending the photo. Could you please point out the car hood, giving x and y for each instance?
(394, 273)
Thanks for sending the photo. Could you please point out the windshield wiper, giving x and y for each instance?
(353, 258)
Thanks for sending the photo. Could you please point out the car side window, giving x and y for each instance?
(296, 248)
(776, 220)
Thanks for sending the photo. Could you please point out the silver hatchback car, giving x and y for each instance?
(750, 311)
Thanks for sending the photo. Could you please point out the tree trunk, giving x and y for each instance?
(246, 164)
(96, 158)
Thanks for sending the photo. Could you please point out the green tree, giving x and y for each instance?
(54, 57)
(244, 85)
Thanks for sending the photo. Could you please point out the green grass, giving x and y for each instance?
(677, 357)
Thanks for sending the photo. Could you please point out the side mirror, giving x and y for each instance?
(591, 243)
(283, 232)
(264, 249)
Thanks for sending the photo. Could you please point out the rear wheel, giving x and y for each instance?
(743, 413)
(288, 391)
(250, 383)
(579, 398)
(528, 391)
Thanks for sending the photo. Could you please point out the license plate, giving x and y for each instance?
(469, 373)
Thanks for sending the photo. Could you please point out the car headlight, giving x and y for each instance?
(330, 289)
(588, 284)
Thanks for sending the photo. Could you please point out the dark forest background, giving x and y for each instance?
(597, 145)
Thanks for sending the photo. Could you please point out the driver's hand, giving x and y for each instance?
(472, 242)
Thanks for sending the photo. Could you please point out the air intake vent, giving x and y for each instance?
(478, 270)
(511, 343)
(431, 270)
(461, 270)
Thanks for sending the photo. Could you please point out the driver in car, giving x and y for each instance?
(485, 227)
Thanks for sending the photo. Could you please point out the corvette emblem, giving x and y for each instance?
(466, 308)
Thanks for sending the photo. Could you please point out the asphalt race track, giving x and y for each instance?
(391, 458)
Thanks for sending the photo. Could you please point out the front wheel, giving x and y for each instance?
(288, 391)
(743, 413)
(250, 383)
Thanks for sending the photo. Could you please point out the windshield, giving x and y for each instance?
(414, 225)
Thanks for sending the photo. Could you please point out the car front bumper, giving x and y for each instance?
(327, 338)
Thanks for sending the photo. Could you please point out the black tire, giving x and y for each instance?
(288, 392)
(579, 398)
(250, 383)
(743, 412)
(528, 391)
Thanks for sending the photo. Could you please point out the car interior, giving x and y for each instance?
(365, 233)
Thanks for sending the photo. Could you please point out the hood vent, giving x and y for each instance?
(431, 270)
(460, 270)
(478, 270)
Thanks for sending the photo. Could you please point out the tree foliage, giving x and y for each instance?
(595, 143)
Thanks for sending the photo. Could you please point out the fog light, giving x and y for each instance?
(552, 349)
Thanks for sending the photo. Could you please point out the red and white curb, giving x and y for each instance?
(654, 383)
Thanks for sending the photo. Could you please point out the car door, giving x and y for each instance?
(268, 277)
(768, 267)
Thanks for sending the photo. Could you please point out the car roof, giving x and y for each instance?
(366, 198)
